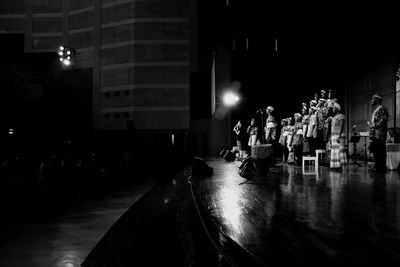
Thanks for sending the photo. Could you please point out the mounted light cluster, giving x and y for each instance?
(65, 55)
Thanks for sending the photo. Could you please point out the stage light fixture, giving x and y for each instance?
(65, 55)
(66, 62)
(230, 99)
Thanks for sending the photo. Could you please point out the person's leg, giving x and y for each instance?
(380, 158)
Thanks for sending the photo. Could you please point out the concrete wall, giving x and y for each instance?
(139, 51)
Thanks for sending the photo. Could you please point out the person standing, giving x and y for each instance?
(312, 130)
(289, 140)
(327, 133)
(378, 132)
(239, 131)
(338, 138)
(252, 131)
(304, 121)
(298, 139)
(270, 126)
(321, 114)
(282, 139)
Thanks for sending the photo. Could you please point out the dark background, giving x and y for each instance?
(318, 47)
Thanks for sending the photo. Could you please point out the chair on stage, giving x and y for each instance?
(310, 159)
(319, 155)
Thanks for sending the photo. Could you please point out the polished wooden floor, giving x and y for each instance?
(307, 217)
(64, 237)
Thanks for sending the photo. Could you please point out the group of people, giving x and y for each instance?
(320, 125)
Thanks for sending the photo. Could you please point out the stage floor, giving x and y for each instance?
(307, 217)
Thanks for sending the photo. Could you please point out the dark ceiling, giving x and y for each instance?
(317, 44)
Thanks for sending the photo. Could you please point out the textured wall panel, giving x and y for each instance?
(47, 6)
(115, 99)
(161, 9)
(81, 40)
(83, 59)
(81, 20)
(161, 97)
(145, 52)
(118, 12)
(47, 42)
(145, 31)
(111, 122)
(157, 75)
(47, 24)
(161, 119)
(78, 4)
(11, 24)
(162, 31)
(12, 7)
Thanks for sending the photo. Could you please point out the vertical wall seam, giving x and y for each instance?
(28, 26)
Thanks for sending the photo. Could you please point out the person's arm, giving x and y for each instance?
(248, 129)
(341, 129)
(313, 121)
(236, 130)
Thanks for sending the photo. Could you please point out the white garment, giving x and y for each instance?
(252, 140)
(373, 115)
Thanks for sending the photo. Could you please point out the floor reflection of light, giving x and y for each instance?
(69, 259)
(231, 210)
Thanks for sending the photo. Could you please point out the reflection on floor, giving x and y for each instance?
(65, 239)
(297, 217)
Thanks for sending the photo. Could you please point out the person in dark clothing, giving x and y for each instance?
(378, 132)
(240, 136)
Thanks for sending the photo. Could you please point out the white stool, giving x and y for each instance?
(318, 153)
(310, 158)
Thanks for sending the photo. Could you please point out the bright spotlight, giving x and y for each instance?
(66, 62)
(65, 54)
(230, 99)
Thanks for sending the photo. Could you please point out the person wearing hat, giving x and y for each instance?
(323, 94)
(298, 138)
(304, 121)
(378, 132)
(313, 103)
(270, 126)
(338, 138)
(316, 97)
(327, 132)
(312, 129)
(328, 99)
(321, 114)
(289, 140)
